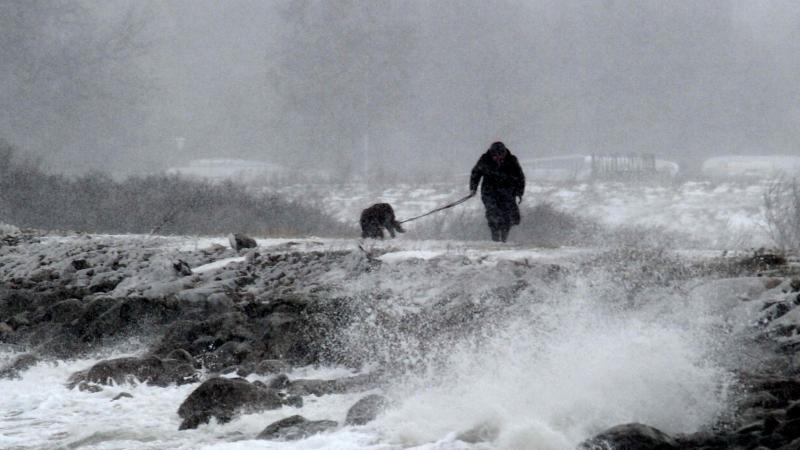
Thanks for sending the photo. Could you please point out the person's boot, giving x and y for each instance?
(503, 234)
(495, 234)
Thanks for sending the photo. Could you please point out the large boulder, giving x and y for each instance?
(319, 388)
(295, 427)
(17, 365)
(222, 398)
(151, 370)
(366, 409)
(632, 436)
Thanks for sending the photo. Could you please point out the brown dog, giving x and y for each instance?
(377, 217)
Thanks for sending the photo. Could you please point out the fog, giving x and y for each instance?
(411, 86)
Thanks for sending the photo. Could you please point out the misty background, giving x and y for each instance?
(134, 87)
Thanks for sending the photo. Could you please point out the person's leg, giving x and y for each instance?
(504, 232)
(495, 230)
(493, 215)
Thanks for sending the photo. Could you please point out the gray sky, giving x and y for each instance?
(424, 85)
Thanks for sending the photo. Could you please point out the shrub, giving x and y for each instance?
(782, 211)
(30, 197)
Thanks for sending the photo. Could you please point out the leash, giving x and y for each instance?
(441, 208)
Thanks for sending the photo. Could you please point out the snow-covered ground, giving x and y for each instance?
(719, 215)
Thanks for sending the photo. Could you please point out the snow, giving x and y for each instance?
(716, 215)
(229, 169)
(217, 264)
(406, 255)
(752, 166)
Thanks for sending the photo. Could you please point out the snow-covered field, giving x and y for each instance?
(722, 215)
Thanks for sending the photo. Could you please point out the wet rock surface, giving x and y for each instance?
(295, 428)
(366, 410)
(222, 398)
(151, 370)
(17, 365)
(633, 436)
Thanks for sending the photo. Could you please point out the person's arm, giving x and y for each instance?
(475, 177)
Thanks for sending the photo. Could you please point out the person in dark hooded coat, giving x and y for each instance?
(502, 188)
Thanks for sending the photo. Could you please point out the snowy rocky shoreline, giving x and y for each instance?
(236, 326)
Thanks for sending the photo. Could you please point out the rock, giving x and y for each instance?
(762, 400)
(65, 311)
(20, 320)
(785, 389)
(239, 241)
(151, 370)
(703, 439)
(770, 424)
(319, 388)
(222, 398)
(271, 366)
(204, 336)
(182, 268)
(793, 411)
(80, 264)
(484, 432)
(794, 445)
(20, 364)
(751, 428)
(108, 317)
(763, 261)
(366, 409)
(293, 400)
(5, 331)
(105, 282)
(772, 283)
(632, 436)
(285, 337)
(279, 382)
(121, 395)
(181, 355)
(775, 311)
(89, 387)
(228, 354)
(294, 428)
(790, 430)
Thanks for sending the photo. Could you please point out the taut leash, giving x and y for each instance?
(441, 208)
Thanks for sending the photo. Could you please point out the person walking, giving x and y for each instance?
(502, 189)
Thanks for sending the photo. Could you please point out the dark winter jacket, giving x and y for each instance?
(505, 179)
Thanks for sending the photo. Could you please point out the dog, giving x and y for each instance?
(377, 217)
